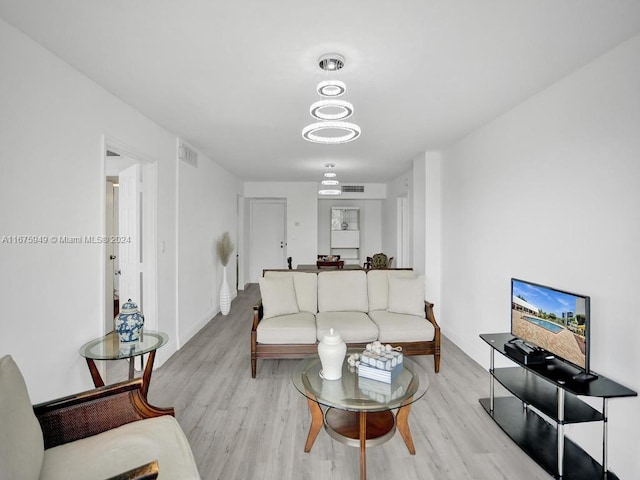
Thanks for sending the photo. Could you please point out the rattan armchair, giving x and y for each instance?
(108, 432)
(85, 414)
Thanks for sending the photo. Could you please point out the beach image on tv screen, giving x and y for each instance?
(551, 319)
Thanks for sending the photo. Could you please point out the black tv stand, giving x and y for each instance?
(549, 390)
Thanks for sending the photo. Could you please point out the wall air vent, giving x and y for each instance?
(188, 155)
(112, 154)
(352, 188)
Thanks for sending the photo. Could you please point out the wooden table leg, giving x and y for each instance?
(363, 445)
(132, 366)
(316, 423)
(95, 374)
(146, 375)
(403, 427)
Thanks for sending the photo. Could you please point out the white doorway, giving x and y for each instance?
(111, 254)
(130, 226)
(268, 245)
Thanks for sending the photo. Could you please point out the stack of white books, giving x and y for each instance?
(383, 367)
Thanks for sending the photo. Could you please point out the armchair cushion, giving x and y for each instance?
(406, 295)
(114, 451)
(21, 441)
(379, 260)
(278, 296)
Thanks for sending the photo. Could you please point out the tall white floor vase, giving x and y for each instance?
(225, 294)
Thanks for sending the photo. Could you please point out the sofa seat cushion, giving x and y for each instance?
(398, 327)
(287, 329)
(343, 291)
(120, 449)
(354, 327)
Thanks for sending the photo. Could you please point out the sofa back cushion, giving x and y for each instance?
(343, 291)
(21, 442)
(305, 285)
(406, 295)
(278, 297)
(378, 286)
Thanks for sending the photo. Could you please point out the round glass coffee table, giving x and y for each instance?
(109, 347)
(358, 411)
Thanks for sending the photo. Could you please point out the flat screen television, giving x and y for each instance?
(554, 320)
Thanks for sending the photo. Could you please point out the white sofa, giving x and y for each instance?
(297, 308)
(106, 433)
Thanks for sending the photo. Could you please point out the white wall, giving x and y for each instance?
(372, 227)
(418, 209)
(52, 124)
(549, 192)
(304, 238)
(207, 207)
(399, 187)
(433, 231)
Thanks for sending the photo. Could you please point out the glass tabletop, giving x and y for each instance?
(359, 394)
(110, 348)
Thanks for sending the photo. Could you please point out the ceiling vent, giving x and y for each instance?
(112, 154)
(352, 188)
(188, 155)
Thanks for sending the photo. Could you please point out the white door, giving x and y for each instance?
(268, 236)
(109, 261)
(129, 232)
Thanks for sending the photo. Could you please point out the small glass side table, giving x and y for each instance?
(109, 347)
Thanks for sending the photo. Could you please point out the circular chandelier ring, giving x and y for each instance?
(330, 191)
(319, 109)
(330, 182)
(331, 88)
(352, 131)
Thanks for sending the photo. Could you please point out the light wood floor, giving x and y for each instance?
(244, 428)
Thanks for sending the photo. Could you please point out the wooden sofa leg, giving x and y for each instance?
(253, 367)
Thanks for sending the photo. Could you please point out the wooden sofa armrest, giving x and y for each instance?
(148, 471)
(95, 411)
(258, 312)
(429, 315)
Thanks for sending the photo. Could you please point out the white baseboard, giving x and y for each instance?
(467, 345)
(200, 324)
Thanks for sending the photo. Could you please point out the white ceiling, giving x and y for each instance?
(235, 78)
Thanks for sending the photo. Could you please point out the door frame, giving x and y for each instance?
(403, 233)
(149, 227)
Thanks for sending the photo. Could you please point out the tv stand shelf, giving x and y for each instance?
(549, 389)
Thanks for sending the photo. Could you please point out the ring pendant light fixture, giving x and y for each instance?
(331, 88)
(330, 111)
(330, 183)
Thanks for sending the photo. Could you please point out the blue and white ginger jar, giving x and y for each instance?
(129, 323)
